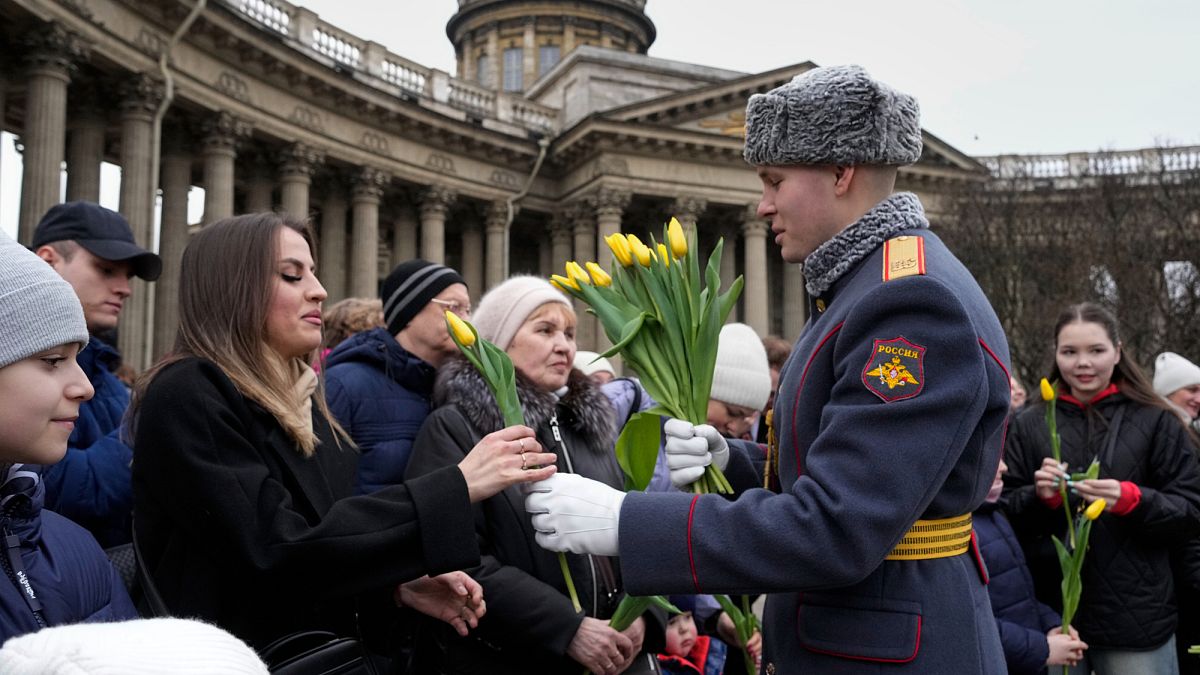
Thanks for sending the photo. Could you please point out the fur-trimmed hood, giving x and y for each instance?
(588, 413)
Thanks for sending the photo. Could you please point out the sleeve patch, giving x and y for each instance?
(895, 370)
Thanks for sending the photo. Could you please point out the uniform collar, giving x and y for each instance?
(898, 213)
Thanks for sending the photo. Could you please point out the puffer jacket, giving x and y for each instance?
(92, 484)
(1022, 620)
(530, 621)
(1128, 599)
(50, 565)
(380, 394)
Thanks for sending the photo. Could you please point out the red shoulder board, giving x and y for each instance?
(895, 369)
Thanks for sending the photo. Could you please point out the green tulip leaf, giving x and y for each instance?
(637, 449)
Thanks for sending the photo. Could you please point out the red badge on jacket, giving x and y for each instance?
(895, 370)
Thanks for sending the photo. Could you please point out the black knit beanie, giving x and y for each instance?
(410, 287)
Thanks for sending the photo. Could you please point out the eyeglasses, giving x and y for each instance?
(456, 307)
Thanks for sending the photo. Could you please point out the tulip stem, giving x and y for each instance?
(566, 572)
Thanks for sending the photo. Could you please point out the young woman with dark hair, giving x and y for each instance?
(1107, 411)
(243, 481)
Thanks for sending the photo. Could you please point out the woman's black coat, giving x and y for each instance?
(240, 529)
(530, 621)
(1128, 599)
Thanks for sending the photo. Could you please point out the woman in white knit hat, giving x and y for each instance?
(741, 381)
(1178, 380)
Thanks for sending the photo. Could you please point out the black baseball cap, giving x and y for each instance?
(103, 232)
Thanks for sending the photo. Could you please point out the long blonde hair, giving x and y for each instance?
(226, 280)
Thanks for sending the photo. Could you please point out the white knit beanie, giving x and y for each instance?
(38, 309)
(590, 362)
(504, 308)
(1172, 372)
(139, 647)
(742, 375)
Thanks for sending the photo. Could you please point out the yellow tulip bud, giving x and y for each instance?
(1047, 390)
(599, 276)
(662, 255)
(1097, 507)
(462, 331)
(575, 272)
(677, 240)
(640, 250)
(564, 283)
(620, 248)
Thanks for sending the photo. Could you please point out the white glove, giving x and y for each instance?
(691, 448)
(576, 514)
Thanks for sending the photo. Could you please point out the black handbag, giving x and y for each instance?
(312, 652)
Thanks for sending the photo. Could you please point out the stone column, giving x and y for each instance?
(610, 205)
(495, 65)
(795, 301)
(173, 235)
(297, 162)
(755, 297)
(221, 134)
(435, 203)
(140, 97)
(467, 59)
(568, 43)
(529, 54)
(364, 250)
(497, 243)
(472, 257)
(260, 184)
(561, 242)
(404, 235)
(51, 52)
(85, 147)
(688, 209)
(584, 233)
(332, 263)
(729, 253)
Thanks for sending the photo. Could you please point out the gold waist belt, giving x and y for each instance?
(928, 539)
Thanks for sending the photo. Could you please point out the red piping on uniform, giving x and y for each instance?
(803, 377)
(907, 659)
(692, 558)
(1004, 433)
(979, 564)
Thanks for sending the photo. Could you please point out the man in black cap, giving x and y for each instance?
(94, 250)
(379, 383)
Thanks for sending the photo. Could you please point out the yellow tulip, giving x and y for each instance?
(620, 248)
(640, 250)
(662, 255)
(1093, 512)
(576, 273)
(599, 276)
(564, 283)
(676, 238)
(462, 331)
(1047, 390)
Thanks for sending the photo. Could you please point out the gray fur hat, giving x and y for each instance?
(38, 309)
(833, 115)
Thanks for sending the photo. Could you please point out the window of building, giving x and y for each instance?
(547, 58)
(514, 64)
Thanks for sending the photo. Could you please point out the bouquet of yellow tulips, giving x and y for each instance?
(664, 318)
(497, 370)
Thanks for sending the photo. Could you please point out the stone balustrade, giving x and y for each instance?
(1089, 164)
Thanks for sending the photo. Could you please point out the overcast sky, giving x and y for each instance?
(992, 76)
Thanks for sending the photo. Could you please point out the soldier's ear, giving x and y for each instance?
(842, 177)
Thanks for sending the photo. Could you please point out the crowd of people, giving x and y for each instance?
(289, 467)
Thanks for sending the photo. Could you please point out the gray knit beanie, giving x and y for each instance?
(742, 375)
(833, 115)
(504, 308)
(38, 309)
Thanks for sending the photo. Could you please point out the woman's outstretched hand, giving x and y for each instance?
(453, 597)
(503, 459)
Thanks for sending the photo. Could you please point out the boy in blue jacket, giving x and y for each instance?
(54, 571)
(1030, 632)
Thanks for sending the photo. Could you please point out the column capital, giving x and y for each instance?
(496, 217)
(610, 201)
(223, 131)
(299, 160)
(436, 200)
(560, 228)
(580, 216)
(369, 184)
(688, 207)
(52, 46)
(755, 227)
(141, 94)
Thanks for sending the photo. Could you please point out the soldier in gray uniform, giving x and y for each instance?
(890, 419)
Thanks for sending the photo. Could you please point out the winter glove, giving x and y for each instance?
(691, 448)
(576, 514)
